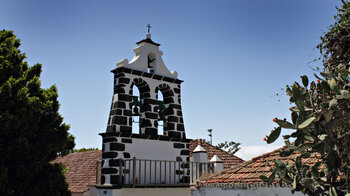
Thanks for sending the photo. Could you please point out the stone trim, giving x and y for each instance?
(145, 74)
(142, 136)
(120, 117)
(148, 40)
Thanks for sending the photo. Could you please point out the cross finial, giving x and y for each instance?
(149, 27)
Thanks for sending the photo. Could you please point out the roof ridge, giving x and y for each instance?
(232, 155)
(266, 154)
(248, 173)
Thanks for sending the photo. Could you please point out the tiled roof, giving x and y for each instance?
(228, 159)
(81, 168)
(249, 172)
(82, 165)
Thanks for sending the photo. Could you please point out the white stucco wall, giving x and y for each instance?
(259, 191)
(146, 149)
(145, 192)
(153, 149)
(139, 61)
(92, 191)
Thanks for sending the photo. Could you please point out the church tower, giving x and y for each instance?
(149, 74)
(148, 155)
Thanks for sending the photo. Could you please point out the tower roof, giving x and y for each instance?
(148, 40)
(148, 58)
(199, 148)
(216, 159)
(228, 159)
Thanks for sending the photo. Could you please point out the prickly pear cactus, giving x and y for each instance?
(320, 121)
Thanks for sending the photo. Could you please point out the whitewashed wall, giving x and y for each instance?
(146, 192)
(92, 191)
(153, 150)
(259, 191)
(147, 149)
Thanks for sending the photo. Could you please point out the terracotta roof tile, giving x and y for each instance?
(81, 168)
(249, 172)
(82, 165)
(228, 159)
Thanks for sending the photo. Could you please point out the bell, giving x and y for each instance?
(161, 116)
(135, 111)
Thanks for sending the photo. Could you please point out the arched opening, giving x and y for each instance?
(161, 113)
(166, 118)
(135, 109)
(151, 62)
(140, 105)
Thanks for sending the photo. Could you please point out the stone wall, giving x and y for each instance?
(120, 118)
(149, 74)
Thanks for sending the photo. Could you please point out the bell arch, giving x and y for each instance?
(135, 108)
(151, 62)
(140, 106)
(164, 107)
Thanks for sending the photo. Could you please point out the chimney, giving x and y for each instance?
(199, 154)
(218, 164)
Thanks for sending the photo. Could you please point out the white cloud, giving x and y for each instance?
(249, 152)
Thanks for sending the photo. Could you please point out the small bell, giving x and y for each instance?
(135, 111)
(161, 115)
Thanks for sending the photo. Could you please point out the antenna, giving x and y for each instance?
(211, 136)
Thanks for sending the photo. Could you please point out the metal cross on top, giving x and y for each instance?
(149, 27)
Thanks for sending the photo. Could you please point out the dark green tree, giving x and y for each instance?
(320, 120)
(231, 147)
(32, 132)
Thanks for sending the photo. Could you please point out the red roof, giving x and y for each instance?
(228, 159)
(81, 168)
(249, 172)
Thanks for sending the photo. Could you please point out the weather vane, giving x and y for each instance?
(149, 27)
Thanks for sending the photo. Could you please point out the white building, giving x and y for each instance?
(158, 160)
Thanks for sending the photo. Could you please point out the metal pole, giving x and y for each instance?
(120, 171)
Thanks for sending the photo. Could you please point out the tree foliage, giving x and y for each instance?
(84, 149)
(231, 147)
(32, 132)
(320, 118)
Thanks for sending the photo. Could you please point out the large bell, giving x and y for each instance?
(135, 111)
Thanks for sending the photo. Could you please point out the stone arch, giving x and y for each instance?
(145, 104)
(142, 86)
(167, 109)
(167, 92)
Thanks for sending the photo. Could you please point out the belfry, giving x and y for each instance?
(147, 156)
(149, 74)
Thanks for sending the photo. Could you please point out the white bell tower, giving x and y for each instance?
(145, 158)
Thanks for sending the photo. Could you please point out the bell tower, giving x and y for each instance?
(166, 150)
(148, 73)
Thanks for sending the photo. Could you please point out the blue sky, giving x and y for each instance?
(234, 56)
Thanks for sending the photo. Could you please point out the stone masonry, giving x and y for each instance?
(149, 74)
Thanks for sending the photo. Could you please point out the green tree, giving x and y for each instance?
(231, 147)
(84, 149)
(320, 120)
(32, 132)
